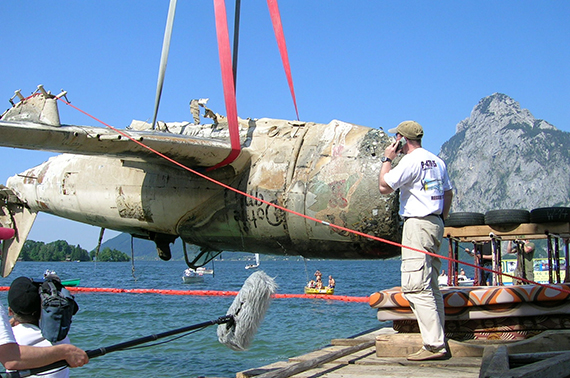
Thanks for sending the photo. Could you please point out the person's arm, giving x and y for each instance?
(21, 357)
(447, 199)
(510, 247)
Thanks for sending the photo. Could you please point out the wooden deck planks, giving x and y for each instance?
(383, 353)
(358, 358)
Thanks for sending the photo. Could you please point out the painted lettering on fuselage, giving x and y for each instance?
(258, 211)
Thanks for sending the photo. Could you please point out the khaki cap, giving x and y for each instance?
(409, 129)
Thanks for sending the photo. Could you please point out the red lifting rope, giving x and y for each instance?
(227, 81)
(228, 78)
(280, 36)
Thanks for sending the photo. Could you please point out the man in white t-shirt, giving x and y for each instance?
(25, 308)
(425, 200)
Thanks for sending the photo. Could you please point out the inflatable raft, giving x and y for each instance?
(324, 291)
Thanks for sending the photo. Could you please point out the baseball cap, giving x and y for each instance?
(409, 129)
(24, 297)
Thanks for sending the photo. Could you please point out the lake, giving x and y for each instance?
(292, 326)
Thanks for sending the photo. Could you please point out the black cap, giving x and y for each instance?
(24, 297)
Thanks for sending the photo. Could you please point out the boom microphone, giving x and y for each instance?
(235, 330)
(247, 310)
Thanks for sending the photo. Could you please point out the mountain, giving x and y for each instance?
(501, 157)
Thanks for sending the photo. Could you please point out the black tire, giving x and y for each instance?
(508, 216)
(550, 215)
(464, 219)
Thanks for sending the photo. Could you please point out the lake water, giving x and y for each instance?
(291, 327)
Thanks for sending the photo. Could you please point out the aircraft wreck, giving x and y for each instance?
(104, 178)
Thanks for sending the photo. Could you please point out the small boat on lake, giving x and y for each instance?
(316, 286)
(254, 266)
(203, 270)
(461, 280)
(192, 276)
(324, 291)
(71, 282)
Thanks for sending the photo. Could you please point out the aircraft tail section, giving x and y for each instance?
(13, 215)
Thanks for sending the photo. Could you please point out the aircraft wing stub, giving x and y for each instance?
(86, 140)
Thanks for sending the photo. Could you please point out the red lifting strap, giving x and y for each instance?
(227, 81)
(278, 29)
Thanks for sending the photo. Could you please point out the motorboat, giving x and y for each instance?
(461, 280)
(72, 282)
(192, 276)
(464, 281)
(203, 270)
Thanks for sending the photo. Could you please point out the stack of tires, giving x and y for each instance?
(509, 217)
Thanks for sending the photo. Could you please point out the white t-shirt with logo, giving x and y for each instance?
(422, 179)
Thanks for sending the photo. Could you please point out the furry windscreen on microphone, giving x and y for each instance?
(248, 309)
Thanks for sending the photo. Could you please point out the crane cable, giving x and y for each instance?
(164, 57)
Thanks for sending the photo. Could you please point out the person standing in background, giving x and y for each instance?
(525, 259)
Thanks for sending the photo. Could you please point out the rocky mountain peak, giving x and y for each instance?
(501, 111)
(501, 157)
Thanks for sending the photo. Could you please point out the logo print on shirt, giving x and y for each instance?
(432, 184)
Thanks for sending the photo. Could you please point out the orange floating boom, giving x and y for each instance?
(211, 293)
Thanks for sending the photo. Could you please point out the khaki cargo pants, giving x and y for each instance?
(420, 278)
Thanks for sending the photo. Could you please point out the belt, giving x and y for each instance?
(429, 215)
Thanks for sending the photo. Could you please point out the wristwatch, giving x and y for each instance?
(385, 159)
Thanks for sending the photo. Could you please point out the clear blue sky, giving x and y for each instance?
(373, 63)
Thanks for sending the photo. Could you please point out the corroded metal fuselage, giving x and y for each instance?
(325, 171)
(328, 172)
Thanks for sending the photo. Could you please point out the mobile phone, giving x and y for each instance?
(401, 143)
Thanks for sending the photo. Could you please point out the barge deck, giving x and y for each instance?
(382, 353)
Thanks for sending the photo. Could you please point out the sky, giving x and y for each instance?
(371, 63)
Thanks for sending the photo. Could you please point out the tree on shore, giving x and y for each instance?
(60, 250)
(108, 254)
